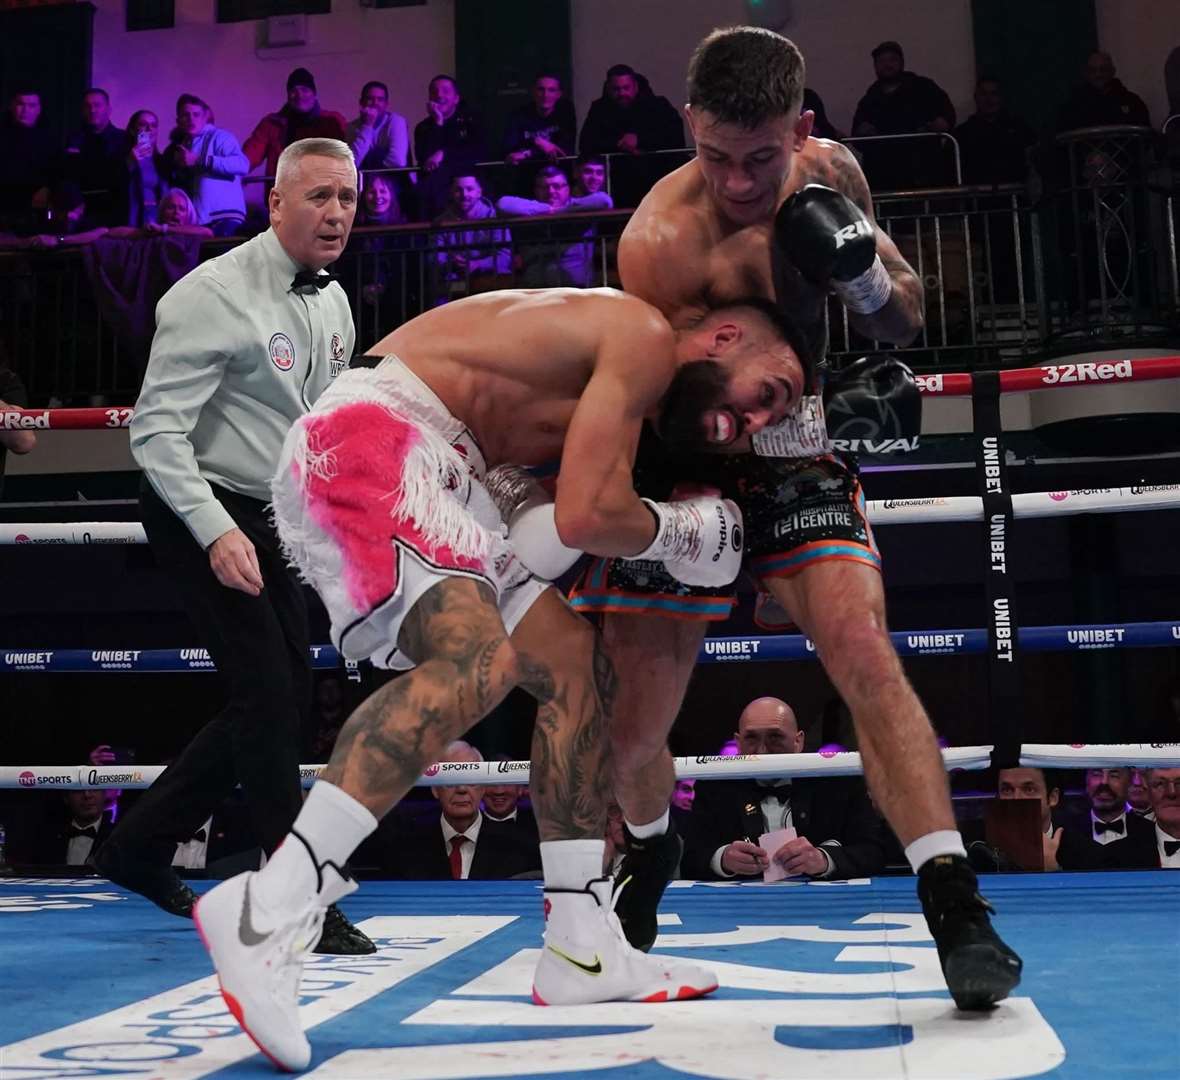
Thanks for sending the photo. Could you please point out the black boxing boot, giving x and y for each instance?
(979, 968)
(340, 938)
(640, 881)
(159, 884)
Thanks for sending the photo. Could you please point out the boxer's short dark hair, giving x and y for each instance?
(746, 75)
(695, 388)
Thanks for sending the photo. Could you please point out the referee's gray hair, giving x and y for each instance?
(459, 746)
(291, 157)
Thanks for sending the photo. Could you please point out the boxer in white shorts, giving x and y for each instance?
(380, 501)
(378, 497)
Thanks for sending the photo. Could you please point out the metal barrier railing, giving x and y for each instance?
(911, 165)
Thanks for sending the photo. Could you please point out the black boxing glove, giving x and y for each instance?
(832, 243)
(873, 406)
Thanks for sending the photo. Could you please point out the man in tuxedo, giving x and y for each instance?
(839, 835)
(1107, 838)
(460, 842)
(73, 838)
(1163, 786)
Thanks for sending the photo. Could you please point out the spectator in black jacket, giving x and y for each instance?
(1101, 99)
(900, 102)
(993, 142)
(448, 143)
(96, 160)
(838, 834)
(545, 128)
(27, 156)
(822, 127)
(629, 119)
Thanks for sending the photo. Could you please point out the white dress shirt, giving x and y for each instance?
(191, 854)
(79, 848)
(467, 851)
(1168, 862)
(1108, 837)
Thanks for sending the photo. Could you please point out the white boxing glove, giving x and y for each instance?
(699, 540)
(527, 510)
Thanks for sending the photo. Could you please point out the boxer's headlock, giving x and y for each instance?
(753, 360)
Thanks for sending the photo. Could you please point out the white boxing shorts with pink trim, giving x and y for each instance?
(378, 498)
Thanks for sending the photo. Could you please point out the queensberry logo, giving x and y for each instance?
(512, 766)
(113, 779)
(709, 759)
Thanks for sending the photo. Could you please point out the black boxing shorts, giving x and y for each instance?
(797, 512)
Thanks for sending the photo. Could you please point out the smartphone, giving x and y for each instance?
(144, 138)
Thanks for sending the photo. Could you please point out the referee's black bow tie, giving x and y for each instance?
(1101, 827)
(75, 830)
(314, 278)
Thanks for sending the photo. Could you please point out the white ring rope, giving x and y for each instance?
(454, 773)
(1032, 504)
(701, 767)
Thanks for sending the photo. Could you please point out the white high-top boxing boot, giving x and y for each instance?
(587, 958)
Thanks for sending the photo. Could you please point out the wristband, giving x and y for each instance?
(868, 292)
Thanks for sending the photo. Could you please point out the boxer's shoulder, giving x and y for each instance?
(823, 161)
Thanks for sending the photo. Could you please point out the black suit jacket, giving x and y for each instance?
(523, 830)
(420, 853)
(1135, 851)
(828, 809)
(53, 843)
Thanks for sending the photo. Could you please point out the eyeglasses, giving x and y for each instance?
(1161, 785)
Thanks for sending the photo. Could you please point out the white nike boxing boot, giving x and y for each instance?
(258, 956)
(587, 958)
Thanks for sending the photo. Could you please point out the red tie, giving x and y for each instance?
(457, 843)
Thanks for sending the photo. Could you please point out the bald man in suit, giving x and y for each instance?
(839, 834)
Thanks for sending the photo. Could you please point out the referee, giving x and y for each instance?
(243, 347)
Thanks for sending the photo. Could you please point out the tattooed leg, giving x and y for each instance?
(466, 666)
(564, 666)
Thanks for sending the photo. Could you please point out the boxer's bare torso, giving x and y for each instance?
(513, 365)
(680, 253)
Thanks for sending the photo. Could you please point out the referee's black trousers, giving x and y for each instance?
(260, 646)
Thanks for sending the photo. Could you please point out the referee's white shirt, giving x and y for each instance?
(238, 356)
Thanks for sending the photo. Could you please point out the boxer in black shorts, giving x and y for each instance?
(766, 210)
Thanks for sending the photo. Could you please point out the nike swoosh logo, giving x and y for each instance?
(589, 969)
(246, 932)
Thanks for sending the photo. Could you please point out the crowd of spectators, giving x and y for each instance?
(106, 177)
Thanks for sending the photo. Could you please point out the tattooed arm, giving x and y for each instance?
(900, 320)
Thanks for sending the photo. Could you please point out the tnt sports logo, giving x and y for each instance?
(431, 770)
(1077, 745)
(21, 538)
(827, 752)
(282, 352)
(28, 778)
(1059, 496)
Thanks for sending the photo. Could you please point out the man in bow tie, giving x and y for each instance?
(838, 834)
(244, 346)
(1107, 838)
(1163, 788)
(76, 843)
